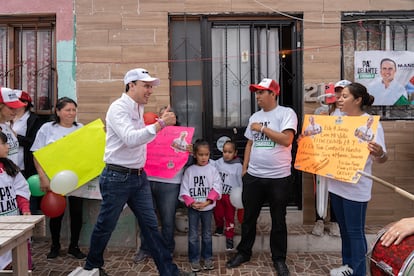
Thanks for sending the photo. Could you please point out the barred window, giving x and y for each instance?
(28, 58)
(383, 31)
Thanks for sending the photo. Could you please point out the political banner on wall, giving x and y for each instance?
(168, 152)
(335, 146)
(388, 75)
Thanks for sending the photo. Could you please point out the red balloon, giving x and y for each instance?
(53, 205)
(150, 118)
(240, 215)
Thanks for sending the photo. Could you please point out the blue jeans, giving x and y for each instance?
(165, 196)
(117, 189)
(194, 217)
(351, 220)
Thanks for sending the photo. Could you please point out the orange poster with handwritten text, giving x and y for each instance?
(335, 146)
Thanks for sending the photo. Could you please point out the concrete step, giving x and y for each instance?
(298, 241)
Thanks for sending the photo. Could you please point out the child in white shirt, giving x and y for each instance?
(200, 189)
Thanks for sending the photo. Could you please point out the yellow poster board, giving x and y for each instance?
(81, 151)
(335, 146)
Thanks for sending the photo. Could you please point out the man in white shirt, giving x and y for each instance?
(266, 173)
(123, 180)
(386, 90)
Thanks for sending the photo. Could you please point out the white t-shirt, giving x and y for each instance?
(20, 127)
(10, 187)
(50, 132)
(361, 191)
(198, 181)
(337, 112)
(230, 174)
(267, 158)
(12, 141)
(175, 180)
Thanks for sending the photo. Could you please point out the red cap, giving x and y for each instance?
(266, 84)
(10, 98)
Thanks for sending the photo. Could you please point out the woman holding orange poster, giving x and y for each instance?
(349, 201)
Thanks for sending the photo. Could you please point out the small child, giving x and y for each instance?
(15, 191)
(230, 170)
(200, 189)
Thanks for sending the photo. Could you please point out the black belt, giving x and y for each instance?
(122, 169)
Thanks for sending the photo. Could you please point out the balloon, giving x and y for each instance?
(53, 205)
(240, 215)
(236, 197)
(150, 118)
(64, 182)
(34, 185)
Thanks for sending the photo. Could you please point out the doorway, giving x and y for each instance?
(214, 59)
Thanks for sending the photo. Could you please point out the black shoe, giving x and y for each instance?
(237, 260)
(281, 268)
(141, 256)
(229, 244)
(75, 252)
(54, 252)
(219, 232)
(102, 272)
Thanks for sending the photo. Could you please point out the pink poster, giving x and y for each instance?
(168, 152)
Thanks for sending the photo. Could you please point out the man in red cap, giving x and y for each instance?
(9, 103)
(266, 173)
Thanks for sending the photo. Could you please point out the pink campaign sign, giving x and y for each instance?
(167, 153)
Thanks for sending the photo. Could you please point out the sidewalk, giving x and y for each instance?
(118, 262)
(308, 255)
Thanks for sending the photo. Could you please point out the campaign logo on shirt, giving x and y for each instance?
(226, 187)
(261, 140)
(200, 191)
(8, 201)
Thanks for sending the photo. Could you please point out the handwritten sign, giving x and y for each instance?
(335, 146)
(168, 152)
(81, 151)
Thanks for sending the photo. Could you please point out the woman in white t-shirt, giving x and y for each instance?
(350, 201)
(65, 123)
(9, 103)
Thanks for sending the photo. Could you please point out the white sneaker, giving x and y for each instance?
(318, 228)
(344, 270)
(334, 229)
(195, 266)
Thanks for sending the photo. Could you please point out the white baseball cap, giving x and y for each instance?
(10, 98)
(342, 83)
(141, 75)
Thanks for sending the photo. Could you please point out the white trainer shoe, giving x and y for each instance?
(334, 229)
(318, 228)
(344, 270)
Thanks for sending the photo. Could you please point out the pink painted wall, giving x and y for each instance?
(62, 8)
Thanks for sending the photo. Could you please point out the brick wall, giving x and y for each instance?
(114, 36)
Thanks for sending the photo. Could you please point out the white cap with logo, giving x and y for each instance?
(140, 74)
(10, 98)
(342, 83)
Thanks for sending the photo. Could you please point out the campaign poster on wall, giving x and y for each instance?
(335, 146)
(388, 76)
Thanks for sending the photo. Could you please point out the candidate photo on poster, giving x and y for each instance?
(385, 88)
